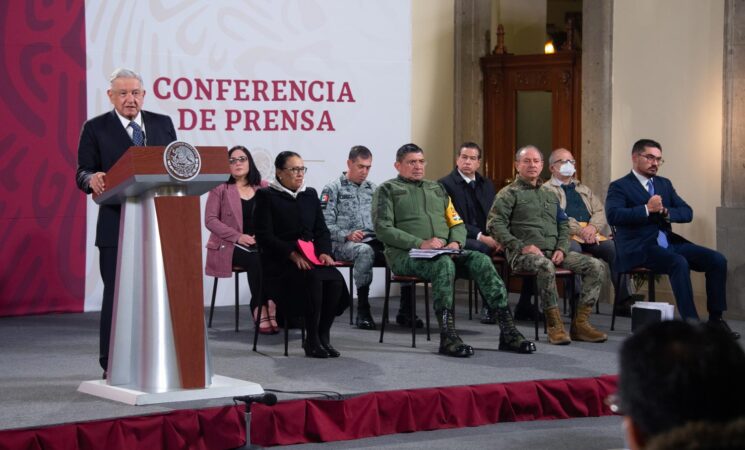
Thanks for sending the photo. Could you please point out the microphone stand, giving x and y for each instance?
(266, 399)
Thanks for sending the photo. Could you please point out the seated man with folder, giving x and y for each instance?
(410, 212)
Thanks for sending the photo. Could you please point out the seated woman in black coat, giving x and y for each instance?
(288, 212)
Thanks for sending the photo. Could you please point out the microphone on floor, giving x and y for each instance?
(267, 399)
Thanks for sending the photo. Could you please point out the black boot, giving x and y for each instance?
(510, 338)
(364, 320)
(403, 317)
(450, 343)
(488, 315)
(324, 334)
(312, 344)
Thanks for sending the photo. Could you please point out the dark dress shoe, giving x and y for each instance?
(527, 312)
(405, 321)
(364, 321)
(488, 316)
(105, 374)
(314, 350)
(723, 325)
(333, 353)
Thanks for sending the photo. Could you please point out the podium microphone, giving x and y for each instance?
(267, 399)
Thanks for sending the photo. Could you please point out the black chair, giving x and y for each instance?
(350, 265)
(473, 290)
(237, 270)
(650, 288)
(650, 274)
(285, 315)
(473, 298)
(412, 281)
(531, 277)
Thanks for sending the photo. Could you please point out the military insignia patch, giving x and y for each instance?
(451, 215)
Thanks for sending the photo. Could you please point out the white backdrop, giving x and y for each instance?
(353, 58)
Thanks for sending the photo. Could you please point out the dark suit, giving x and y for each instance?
(636, 240)
(103, 140)
(473, 205)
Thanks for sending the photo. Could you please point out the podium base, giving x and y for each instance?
(221, 387)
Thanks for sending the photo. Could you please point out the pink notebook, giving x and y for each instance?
(309, 251)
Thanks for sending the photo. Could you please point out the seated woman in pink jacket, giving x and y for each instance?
(229, 217)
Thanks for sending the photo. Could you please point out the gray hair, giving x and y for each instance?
(521, 151)
(122, 72)
(552, 158)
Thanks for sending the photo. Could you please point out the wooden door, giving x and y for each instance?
(505, 77)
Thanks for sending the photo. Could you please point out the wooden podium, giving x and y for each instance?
(159, 350)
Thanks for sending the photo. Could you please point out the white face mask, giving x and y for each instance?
(567, 169)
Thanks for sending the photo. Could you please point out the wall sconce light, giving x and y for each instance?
(549, 48)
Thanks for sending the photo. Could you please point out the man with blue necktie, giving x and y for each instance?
(642, 207)
(103, 140)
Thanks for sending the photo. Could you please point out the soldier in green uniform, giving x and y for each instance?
(411, 212)
(529, 222)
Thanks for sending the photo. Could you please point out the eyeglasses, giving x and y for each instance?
(240, 159)
(651, 158)
(296, 170)
(613, 402)
(564, 161)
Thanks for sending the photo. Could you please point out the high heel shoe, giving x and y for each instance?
(314, 351)
(272, 308)
(265, 326)
(266, 329)
(333, 353)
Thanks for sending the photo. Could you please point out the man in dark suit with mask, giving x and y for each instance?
(103, 140)
(642, 206)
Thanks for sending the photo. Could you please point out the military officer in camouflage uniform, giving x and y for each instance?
(411, 212)
(529, 222)
(346, 204)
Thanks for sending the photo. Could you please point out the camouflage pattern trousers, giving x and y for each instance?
(442, 271)
(590, 269)
(365, 255)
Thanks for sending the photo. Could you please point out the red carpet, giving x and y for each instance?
(301, 421)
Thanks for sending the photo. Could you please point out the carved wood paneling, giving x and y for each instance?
(504, 76)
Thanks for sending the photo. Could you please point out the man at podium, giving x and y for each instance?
(103, 140)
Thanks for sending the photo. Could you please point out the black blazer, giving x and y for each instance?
(456, 187)
(635, 231)
(103, 140)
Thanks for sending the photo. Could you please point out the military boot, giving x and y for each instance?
(488, 315)
(364, 320)
(450, 343)
(581, 329)
(510, 338)
(556, 333)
